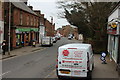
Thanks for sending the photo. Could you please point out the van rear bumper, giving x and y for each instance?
(73, 77)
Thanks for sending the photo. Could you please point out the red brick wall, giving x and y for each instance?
(14, 38)
(66, 30)
(32, 19)
(27, 19)
(16, 15)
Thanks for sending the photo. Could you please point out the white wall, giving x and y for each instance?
(1, 35)
(41, 32)
(1, 28)
(114, 15)
(112, 39)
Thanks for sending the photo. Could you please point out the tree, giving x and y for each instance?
(89, 17)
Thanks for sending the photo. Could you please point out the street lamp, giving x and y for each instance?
(9, 28)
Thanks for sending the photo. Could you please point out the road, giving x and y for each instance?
(37, 65)
(41, 64)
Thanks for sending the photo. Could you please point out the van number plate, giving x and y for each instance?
(65, 72)
(77, 72)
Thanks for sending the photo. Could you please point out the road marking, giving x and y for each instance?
(5, 73)
(50, 73)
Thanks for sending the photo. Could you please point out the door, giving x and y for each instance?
(64, 62)
(79, 63)
(118, 52)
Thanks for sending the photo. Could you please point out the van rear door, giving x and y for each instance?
(79, 63)
(64, 62)
(72, 62)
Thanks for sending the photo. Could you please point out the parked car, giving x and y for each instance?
(69, 37)
(47, 41)
(75, 60)
(54, 39)
(58, 37)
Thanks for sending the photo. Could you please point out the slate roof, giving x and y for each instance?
(23, 6)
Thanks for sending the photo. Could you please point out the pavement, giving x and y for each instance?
(21, 51)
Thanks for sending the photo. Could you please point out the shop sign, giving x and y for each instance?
(19, 30)
(112, 28)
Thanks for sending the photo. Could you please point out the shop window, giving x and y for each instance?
(18, 40)
(27, 37)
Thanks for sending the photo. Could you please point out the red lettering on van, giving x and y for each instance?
(78, 53)
(71, 61)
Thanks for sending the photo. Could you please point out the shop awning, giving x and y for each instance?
(26, 29)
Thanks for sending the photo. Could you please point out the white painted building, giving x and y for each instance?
(1, 26)
(41, 32)
(113, 30)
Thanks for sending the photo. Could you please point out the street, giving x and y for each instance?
(41, 64)
(36, 65)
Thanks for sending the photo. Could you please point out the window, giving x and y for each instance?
(28, 17)
(21, 18)
(34, 21)
(31, 20)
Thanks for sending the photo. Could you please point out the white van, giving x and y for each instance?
(75, 60)
(47, 41)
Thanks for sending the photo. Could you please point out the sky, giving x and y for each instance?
(49, 9)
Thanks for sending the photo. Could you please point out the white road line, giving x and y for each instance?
(50, 73)
(5, 73)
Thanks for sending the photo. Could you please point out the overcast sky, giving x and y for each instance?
(48, 8)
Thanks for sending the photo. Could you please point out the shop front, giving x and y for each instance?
(113, 31)
(24, 36)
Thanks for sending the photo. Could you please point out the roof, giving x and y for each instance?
(23, 6)
(73, 26)
(76, 45)
(116, 7)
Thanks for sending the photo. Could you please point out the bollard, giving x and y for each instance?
(103, 55)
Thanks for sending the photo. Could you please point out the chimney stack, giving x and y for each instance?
(25, 1)
(51, 19)
(30, 7)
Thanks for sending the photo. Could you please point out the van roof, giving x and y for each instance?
(76, 45)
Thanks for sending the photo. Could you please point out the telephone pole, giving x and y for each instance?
(9, 28)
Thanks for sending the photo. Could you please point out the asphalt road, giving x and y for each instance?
(36, 65)
(41, 64)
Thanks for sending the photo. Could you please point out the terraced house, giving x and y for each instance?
(24, 24)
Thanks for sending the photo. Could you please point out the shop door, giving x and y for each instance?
(119, 51)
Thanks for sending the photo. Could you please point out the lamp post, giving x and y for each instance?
(9, 28)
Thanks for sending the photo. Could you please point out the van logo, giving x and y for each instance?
(65, 53)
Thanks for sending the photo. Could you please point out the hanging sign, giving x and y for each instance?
(112, 28)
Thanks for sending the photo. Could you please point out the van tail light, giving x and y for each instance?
(88, 65)
(88, 61)
(57, 60)
(56, 66)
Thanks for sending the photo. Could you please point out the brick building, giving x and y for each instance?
(60, 30)
(42, 25)
(49, 28)
(69, 29)
(24, 24)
